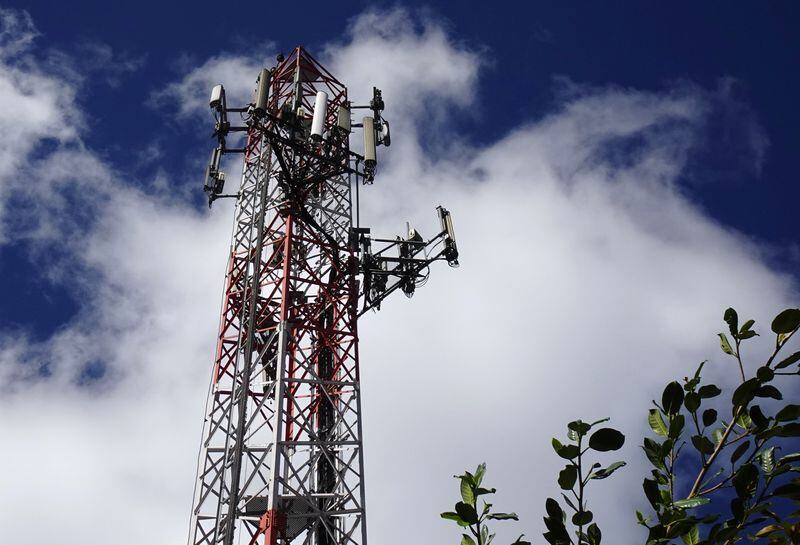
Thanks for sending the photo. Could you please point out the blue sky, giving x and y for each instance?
(745, 50)
(618, 175)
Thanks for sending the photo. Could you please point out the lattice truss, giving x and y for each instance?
(281, 458)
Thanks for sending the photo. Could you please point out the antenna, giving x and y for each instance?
(262, 92)
(370, 153)
(406, 269)
(320, 114)
(343, 119)
(217, 100)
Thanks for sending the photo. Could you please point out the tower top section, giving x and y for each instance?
(301, 74)
(301, 104)
(301, 87)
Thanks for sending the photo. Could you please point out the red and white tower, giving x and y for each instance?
(281, 458)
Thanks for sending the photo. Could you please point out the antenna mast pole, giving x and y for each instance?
(281, 458)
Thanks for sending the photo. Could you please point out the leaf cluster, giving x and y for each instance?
(574, 479)
(735, 456)
(468, 514)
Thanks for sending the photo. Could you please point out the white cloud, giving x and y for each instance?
(17, 32)
(189, 95)
(47, 176)
(36, 107)
(588, 280)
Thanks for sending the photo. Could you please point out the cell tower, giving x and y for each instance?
(281, 457)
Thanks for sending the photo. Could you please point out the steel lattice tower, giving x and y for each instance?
(281, 455)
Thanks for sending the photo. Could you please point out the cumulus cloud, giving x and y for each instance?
(188, 96)
(35, 107)
(588, 280)
(45, 167)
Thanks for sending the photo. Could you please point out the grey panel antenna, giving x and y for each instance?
(262, 92)
(369, 141)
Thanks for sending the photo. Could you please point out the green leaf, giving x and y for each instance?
(676, 425)
(765, 374)
(467, 493)
(519, 541)
(569, 452)
(708, 391)
(593, 534)
(757, 417)
(449, 515)
(692, 402)
(745, 480)
(709, 417)
(789, 458)
(503, 516)
(557, 529)
(641, 519)
(480, 471)
(656, 422)
(790, 490)
(579, 429)
(652, 492)
(467, 540)
(605, 472)
(745, 392)
(652, 450)
(656, 535)
(606, 439)
(724, 344)
(691, 384)
(767, 530)
(743, 421)
(788, 361)
(766, 459)
(768, 391)
(787, 430)
(467, 475)
(672, 398)
(484, 535)
(788, 413)
(659, 477)
(787, 321)
(567, 477)
(692, 537)
(690, 503)
(553, 509)
(569, 502)
(716, 435)
(732, 320)
(467, 512)
(737, 510)
(554, 538)
(702, 444)
(746, 326)
(582, 517)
